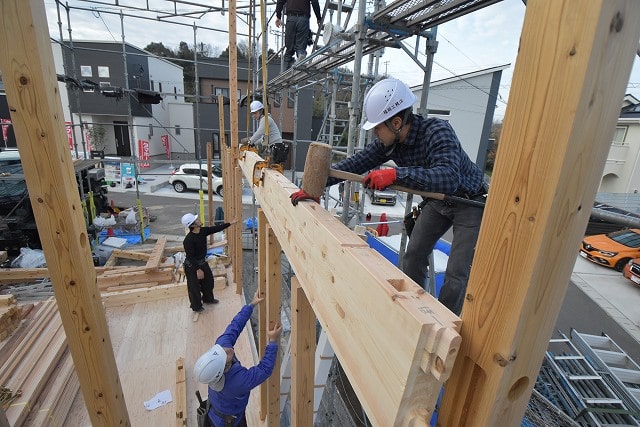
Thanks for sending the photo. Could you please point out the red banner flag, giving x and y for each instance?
(143, 152)
(69, 128)
(166, 145)
(5, 129)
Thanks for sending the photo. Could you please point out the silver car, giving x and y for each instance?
(190, 175)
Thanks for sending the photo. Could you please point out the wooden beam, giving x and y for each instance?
(135, 296)
(156, 255)
(397, 376)
(303, 347)
(569, 81)
(29, 76)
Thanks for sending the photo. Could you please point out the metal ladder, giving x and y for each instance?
(614, 365)
(586, 396)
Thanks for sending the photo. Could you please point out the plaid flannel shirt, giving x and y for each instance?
(430, 159)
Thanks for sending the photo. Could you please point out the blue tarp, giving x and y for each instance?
(131, 238)
(392, 255)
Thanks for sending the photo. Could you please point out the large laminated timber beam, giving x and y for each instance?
(569, 81)
(396, 343)
(29, 76)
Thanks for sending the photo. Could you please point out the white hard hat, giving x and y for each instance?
(256, 106)
(209, 368)
(188, 219)
(385, 99)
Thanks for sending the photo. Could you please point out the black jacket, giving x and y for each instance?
(298, 7)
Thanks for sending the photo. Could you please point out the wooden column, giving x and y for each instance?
(303, 347)
(29, 75)
(271, 387)
(570, 77)
(235, 235)
(262, 288)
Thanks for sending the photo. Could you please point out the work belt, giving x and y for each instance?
(195, 264)
(229, 420)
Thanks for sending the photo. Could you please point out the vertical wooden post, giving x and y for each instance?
(29, 76)
(235, 235)
(274, 291)
(262, 288)
(303, 347)
(570, 77)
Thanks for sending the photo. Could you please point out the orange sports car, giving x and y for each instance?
(612, 250)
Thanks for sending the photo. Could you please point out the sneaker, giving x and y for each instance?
(200, 310)
(215, 301)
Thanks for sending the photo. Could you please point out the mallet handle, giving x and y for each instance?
(439, 196)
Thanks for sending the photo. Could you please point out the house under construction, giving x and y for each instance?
(397, 344)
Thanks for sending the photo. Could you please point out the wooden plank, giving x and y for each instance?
(181, 392)
(7, 300)
(346, 281)
(162, 276)
(153, 263)
(157, 293)
(569, 81)
(31, 87)
(303, 347)
(130, 254)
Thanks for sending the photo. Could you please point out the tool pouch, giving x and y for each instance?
(411, 217)
(202, 413)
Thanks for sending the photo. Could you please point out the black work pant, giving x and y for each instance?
(200, 290)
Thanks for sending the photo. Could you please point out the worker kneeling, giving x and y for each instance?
(229, 382)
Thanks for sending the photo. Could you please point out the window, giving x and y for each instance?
(150, 129)
(103, 72)
(620, 134)
(104, 84)
(85, 71)
(175, 93)
(153, 85)
(177, 129)
(160, 87)
(224, 91)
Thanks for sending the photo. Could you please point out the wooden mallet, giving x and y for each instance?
(317, 168)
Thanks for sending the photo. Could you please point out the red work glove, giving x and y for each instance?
(301, 195)
(380, 179)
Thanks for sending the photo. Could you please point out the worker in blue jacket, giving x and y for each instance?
(229, 382)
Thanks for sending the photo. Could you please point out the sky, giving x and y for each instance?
(482, 39)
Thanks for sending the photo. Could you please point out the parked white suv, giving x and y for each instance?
(188, 177)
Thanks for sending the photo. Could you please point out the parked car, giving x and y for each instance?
(188, 177)
(383, 197)
(612, 250)
(632, 271)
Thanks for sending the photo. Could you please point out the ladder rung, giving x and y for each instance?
(568, 357)
(583, 377)
(602, 401)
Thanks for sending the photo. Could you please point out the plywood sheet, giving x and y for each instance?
(149, 337)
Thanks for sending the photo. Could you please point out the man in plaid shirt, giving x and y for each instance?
(428, 157)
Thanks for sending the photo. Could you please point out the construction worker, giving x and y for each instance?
(196, 269)
(229, 382)
(428, 157)
(277, 150)
(297, 30)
